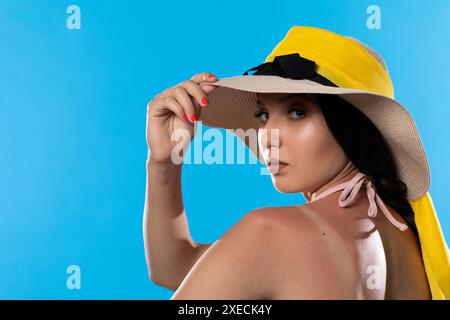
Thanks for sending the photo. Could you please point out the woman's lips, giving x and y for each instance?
(277, 167)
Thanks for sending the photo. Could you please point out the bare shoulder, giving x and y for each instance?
(273, 253)
(233, 267)
(312, 258)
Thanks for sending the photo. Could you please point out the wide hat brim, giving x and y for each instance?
(233, 104)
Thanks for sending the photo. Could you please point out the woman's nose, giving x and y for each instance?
(270, 135)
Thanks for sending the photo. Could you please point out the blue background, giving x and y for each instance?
(72, 123)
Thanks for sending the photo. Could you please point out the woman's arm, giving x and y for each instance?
(170, 250)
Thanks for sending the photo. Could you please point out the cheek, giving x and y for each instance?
(315, 151)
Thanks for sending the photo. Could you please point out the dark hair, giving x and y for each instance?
(366, 148)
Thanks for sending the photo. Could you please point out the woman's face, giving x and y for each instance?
(304, 142)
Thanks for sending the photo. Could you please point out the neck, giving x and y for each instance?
(347, 173)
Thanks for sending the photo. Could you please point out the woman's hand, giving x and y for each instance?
(175, 108)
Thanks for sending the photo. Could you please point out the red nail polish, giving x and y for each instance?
(185, 118)
(193, 117)
(211, 76)
(204, 101)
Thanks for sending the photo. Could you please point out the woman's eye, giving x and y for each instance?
(297, 113)
(262, 113)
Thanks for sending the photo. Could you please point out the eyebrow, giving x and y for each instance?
(284, 98)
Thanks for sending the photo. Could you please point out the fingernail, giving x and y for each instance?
(211, 76)
(193, 117)
(204, 101)
(185, 118)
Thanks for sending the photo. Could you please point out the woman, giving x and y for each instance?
(339, 128)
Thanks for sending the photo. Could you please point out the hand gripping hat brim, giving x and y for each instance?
(360, 77)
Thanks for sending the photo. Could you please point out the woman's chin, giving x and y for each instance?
(282, 185)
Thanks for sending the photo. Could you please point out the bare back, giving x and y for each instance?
(380, 261)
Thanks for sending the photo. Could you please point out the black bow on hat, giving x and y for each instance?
(291, 66)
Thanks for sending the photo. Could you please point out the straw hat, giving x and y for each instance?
(314, 60)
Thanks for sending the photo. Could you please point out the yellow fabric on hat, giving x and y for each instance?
(348, 64)
(435, 253)
(339, 59)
